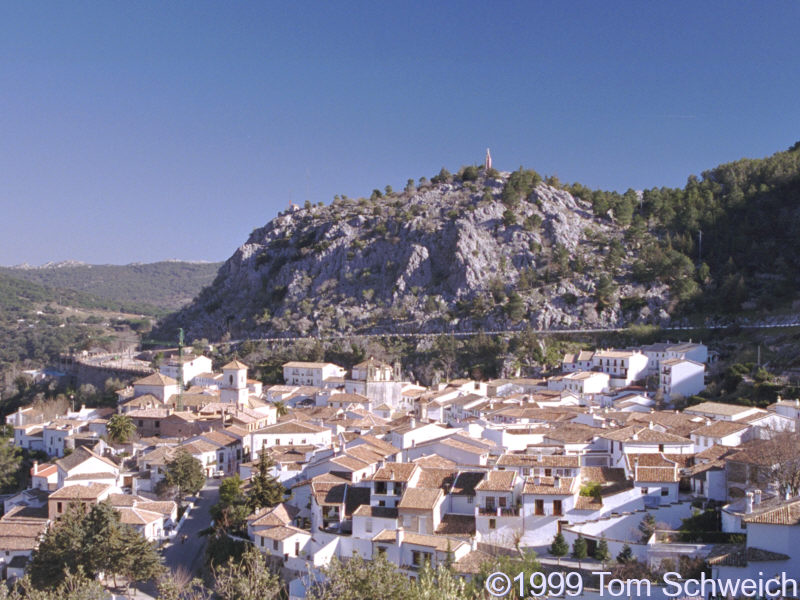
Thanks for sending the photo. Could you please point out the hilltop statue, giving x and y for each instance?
(488, 162)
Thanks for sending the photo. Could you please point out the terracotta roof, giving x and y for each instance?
(719, 429)
(420, 498)
(472, 563)
(292, 427)
(498, 481)
(657, 475)
(457, 525)
(435, 478)
(644, 434)
(603, 474)
(440, 543)
(91, 491)
(435, 461)
(787, 513)
(395, 472)
(719, 408)
(379, 512)
(79, 455)
(156, 379)
(281, 532)
(546, 486)
(273, 516)
(235, 364)
(384, 447)
(588, 503)
(513, 459)
(729, 555)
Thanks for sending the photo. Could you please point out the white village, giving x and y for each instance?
(454, 473)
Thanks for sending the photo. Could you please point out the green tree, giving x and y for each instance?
(60, 551)
(579, 550)
(247, 579)
(232, 510)
(359, 579)
(10, 460)
(559, 547)
(602, 552)
(138, 559)
(265, 490)
(647, 526)
(102, 532)
(625, 555)
(440, 583)
(280, 408)
(75, 585)
(120, 428)
(510, 565)
(184, 473)
(515, 309)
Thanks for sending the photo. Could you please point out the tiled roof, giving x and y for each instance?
(788, 513)
(420, 498)
(657, 475)
(281, 532)
(156, 379)
(457, 525)
(498, 481)
(235, 364)
(91, 491)
(719, 429)
(719, 408)
(435, 461)
(395, 472)
(379, 512)
(435, 478)
(738, 556)
(546, 486)
(588, 503)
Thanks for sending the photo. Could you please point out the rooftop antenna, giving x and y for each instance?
(179, 406)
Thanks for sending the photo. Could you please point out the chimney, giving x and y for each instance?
(413, 422)
(787, 494)
(635, 467)
(748, 503)
(35, 467)
(399, 535)
(556, 481)
(650, 426)
(756, 497)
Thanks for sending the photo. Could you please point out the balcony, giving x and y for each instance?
(507, 511)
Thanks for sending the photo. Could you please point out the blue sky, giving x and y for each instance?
(147, 131)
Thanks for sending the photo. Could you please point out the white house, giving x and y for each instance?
(624, 366)
(681, 377)
(192, 367)
(311, 373)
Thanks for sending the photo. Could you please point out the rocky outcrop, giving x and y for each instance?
(449, 256)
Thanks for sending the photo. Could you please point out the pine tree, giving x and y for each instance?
(248, 579)
(184, 473)
(579, 550)
(136, 558)
(626, 555)
(101, 534)
(265, 490)
(559, 547)
(602, 553)
(61, 549)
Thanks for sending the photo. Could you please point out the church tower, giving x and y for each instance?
(488, 163)
(234, 383)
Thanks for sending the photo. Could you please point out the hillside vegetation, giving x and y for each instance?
(489, 250)
(160, 286)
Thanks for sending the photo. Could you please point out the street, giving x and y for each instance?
(189, 555)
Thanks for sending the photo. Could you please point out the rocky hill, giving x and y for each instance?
(493, 251)
(490, 250)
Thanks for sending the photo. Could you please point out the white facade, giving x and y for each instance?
(681, 377)
(310, 373)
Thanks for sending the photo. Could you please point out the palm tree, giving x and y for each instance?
(280, 407)
(120, 428)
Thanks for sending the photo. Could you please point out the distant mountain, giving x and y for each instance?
(165, 285)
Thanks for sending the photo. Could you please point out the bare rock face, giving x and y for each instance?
(446, 257)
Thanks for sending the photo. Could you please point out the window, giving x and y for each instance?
(274, 544)
(381, 502)
(492, 523)
(262, 542)
(470, 499)
(548, 472)
(297, 548)
(557, 510)
(141, 423)
(538, 507)
(502, 501)
(490, 502)
(381, 550)
(158, 424)
(526, 471)
(368, 526)
(661, 447)
(664, 492)
(58, 507)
